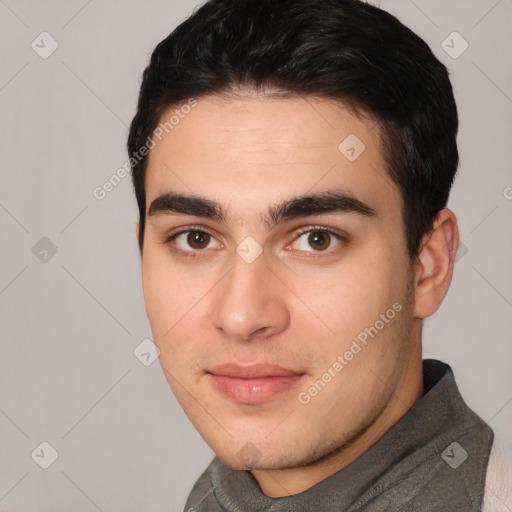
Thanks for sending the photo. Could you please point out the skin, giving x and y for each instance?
(296, 305)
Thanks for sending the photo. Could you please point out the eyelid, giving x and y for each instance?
(323, 229)
(186, 229)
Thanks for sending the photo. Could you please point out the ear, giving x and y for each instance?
(434, 264)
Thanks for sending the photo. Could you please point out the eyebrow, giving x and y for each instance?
(329, 201)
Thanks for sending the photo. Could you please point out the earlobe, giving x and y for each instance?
(435, 263)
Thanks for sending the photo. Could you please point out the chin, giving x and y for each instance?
(249, 455)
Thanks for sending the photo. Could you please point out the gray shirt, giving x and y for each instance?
(433, 459)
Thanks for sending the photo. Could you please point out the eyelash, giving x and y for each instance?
(200, 229)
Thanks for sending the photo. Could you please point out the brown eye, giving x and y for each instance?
(192, 242)
(198, 239)
(319, 240)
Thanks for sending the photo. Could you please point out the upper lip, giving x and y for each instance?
(252, 371)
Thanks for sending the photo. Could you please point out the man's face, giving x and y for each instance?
(282, 356)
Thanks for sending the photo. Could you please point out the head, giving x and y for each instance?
(298, 157)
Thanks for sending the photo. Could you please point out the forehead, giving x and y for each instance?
(253, 150)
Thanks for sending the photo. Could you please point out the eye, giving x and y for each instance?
(320, 240)
(191, 241)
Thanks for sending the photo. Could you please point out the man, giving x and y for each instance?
(292, 161)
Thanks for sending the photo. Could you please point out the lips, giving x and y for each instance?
(252, 384)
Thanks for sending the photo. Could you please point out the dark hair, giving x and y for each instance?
(345, 50)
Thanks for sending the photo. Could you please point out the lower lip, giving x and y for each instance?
(253, 390)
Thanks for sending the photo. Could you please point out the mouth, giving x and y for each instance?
(252, 384)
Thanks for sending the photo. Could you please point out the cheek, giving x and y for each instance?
(174, 309)
(347, 298)
(355, 304)
(157, 286)
(166, 295)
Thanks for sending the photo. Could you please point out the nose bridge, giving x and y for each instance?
(245, 275)
(248, 302)
(245, 286)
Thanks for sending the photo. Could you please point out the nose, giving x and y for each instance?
(251, 303)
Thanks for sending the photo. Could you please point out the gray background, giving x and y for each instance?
(70, 321)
